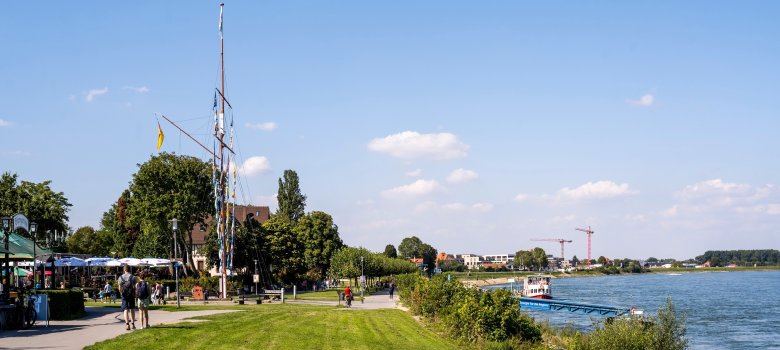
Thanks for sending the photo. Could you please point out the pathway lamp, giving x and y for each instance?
(6, 221)
(175, 227)
(362, 280)
(33, 234)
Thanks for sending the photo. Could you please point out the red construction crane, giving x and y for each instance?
(559, 240)
(589, 232)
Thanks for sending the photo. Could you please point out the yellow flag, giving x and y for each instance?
(160, 136)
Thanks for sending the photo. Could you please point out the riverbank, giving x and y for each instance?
(482, 279)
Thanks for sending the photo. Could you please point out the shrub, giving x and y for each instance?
(666, 331)
(64, 304)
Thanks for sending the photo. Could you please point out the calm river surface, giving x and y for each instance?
(726, 310)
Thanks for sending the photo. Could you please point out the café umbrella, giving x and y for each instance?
(70, 262)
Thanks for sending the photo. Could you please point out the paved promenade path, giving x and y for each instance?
(379, 300)
(101, 323)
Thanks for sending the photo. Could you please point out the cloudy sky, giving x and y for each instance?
(475, 126)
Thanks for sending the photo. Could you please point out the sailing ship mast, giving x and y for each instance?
(225, 210)
(223, 173)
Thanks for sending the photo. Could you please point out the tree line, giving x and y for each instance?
(761, 257)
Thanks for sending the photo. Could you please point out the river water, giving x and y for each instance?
(725, 310)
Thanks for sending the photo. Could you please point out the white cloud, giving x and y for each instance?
(455, 206)
(462, 175)
(267, 126)
(140, 90)
(413, 145)
(521, 197)
(482, 207)
(417, 188)
(414, 173)
(4, 123)
(91, 94)
(596, 190)
(718, 196)
(16, 153)
(646, 100)
(254, 165)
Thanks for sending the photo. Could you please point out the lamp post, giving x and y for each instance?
(175, 226)
(362, 280)
(33, 234)
(256, 277)
(7, 231)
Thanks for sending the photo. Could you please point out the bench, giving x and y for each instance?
(270, 295)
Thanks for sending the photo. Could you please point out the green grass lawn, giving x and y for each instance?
(288, 326)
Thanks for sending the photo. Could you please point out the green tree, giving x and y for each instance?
(602, 260)
(285, 250)
(292, 203)
(524, 259)
(37, 201)
(169, 186)
(320, 239)
(575, 261)
(539, 258)
(86, 240)
(413, 247)
(390, 251)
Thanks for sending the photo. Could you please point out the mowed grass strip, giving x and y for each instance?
(288, 326)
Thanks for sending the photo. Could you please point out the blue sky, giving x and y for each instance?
(475, 126)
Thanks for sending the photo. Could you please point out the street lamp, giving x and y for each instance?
(256, 277)
(175, 226)
(7, 231)
(362, 280)
(33, 231)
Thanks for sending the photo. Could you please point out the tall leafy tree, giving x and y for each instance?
(320, 239)
(292, 203)
(412, 247)
(285, 250)
(169, 186)
(540, 257)
(37, 201)
(86, 240)
(390, 251)
(524, 259)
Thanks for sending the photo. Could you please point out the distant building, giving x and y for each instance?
(200, 232)
(472, 261)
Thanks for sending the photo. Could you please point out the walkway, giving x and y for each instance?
(379, 300)
(99, 324)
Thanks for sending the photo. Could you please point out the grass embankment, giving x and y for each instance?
(287, 326)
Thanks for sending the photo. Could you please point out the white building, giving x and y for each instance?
(472, 261)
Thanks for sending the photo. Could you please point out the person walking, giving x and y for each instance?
(126, 284)
(142, 291)
(392, 289)
(107, 292)
(158, 293)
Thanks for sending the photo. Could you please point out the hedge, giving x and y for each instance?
(65, 304)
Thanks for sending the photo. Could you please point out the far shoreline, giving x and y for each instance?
(483, 279)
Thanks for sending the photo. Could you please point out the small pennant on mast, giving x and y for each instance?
(160, 136)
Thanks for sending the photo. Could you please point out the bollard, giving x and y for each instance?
(295, 290)
(282, 295)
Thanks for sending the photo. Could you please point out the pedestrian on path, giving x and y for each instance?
(127, 291)
(142, 290)
(392, 289)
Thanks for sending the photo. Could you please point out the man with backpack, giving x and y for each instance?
(126, 284)
(144, 296)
